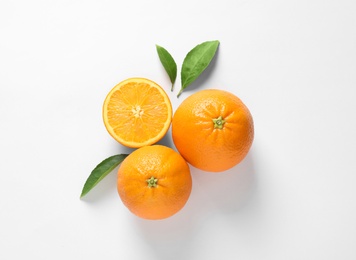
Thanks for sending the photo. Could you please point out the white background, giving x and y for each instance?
(293, 63)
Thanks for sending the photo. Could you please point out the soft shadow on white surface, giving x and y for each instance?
(224, 193)
(167, 139)
(228, 191)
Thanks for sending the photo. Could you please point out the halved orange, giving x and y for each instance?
(137, 112)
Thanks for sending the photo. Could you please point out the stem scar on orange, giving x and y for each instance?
(137, 112)
(213, 130)
(154, 182)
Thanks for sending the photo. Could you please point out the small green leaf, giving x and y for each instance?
(196, 61)
(168, 63)
(101, 170)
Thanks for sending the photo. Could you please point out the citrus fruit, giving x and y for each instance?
(154, 182)
(137, 112)
(213, 130)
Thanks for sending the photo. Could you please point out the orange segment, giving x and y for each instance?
(137, 112)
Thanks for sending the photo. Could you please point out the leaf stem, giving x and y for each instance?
(180, 92)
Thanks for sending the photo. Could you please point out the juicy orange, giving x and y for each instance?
(213, 130)
(137, 112)
(154, 182)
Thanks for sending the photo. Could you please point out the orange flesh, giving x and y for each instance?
(137, 113)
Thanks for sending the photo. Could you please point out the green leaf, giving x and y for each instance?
(168, 63)
(101, 170)
(196, 61)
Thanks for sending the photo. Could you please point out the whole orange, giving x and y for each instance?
(213, 130)
(154, 182)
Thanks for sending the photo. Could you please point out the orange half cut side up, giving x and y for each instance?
(137, 112)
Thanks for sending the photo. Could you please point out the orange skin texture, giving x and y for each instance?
(173, 187)
(208, 148)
